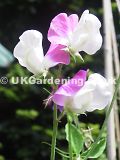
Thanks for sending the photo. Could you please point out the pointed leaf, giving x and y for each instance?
(76, 138)
(97, 151)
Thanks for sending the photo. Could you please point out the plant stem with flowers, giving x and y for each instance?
(70, 35)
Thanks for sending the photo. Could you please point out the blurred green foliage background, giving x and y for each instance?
(24, 121)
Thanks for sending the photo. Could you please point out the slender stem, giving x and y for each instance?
(106, 119)
(69, 137)
(55, 122)
(55, 126)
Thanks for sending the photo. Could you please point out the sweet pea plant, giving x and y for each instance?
(68, 36)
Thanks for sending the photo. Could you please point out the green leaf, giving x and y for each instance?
(76, 138)
(97, 151)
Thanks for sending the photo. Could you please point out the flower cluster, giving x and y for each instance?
(68, 36)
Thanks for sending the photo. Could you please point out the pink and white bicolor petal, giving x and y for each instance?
(56, 55)
(73, 21)
(60, 28)
(67, 90)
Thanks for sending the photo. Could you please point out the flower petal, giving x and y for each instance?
(33, 61)
(29, 51)
(67, 90)
(56, 55)
(19, 51)
(93, 44)
(31, 38)
(88, 29)
(102, 94)
(95, 94)
(73, 21)
(59, 29)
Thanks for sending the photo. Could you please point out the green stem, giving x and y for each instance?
(106, 119)
(69, 137)
(55, 126)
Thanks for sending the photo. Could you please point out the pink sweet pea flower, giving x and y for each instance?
(77, 35)
(95, 93)
(29, 52)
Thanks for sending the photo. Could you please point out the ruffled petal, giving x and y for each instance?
(56, 55)
(59, 29)
(93, 44)
(33, 61)
(73, 21)
(102, 93)
(29, 51)
(19, 53)
(88, 29)
(64, 94)
(31, 38)
(95, 94)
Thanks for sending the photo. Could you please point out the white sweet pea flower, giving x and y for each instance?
(77, 35)
(29, 52)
